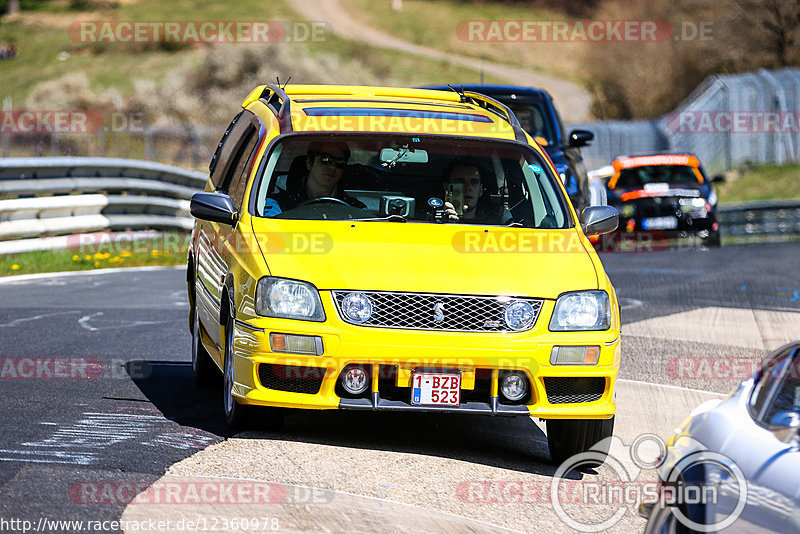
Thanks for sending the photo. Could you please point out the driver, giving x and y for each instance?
(325, 162)
(478, 207)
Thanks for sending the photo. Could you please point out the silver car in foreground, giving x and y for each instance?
(734, 464)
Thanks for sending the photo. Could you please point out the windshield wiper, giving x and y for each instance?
(389, 218)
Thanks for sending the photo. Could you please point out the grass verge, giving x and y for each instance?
(167, 250)
(764, 182)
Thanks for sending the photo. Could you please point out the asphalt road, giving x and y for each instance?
(96, 385)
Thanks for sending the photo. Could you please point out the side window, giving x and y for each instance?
(224, 160)
(216, 170)
(240, 174)
(777, 388)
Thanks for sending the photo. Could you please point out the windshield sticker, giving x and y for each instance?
(536, 168)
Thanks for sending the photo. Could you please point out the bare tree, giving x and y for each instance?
(778, 23)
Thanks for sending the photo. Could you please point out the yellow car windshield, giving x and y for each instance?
(409, 179)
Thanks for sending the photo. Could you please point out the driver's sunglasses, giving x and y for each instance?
(327, 159)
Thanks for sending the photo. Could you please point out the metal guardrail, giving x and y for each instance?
(43, 200)
(768, 219)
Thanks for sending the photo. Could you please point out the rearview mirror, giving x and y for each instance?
(597, 220)
(214, 207)
(786, 426)
(578, 138)
(403, 155)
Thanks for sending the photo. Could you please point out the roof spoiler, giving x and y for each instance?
(498, 108)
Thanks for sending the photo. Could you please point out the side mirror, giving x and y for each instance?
(579, 138)
(214, 207)
(597, 220)
(718, 179)
(786, 426)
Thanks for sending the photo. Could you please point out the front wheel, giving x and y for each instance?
(237, 415)
(568, 437)
(243, 416)
(713, 240)
(663, 521)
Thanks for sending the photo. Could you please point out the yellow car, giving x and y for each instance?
(377, 248)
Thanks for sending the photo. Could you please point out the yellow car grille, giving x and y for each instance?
(431, 311)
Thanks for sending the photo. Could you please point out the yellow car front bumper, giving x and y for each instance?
(268, 378)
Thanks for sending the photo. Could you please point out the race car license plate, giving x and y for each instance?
(660, 223)
(436, 388)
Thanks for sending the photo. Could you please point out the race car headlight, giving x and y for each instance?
(288, 299)
(581, 310)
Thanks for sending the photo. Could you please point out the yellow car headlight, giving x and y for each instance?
(581, 310)
(288, 299)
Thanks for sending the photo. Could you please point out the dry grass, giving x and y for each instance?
(441, 24)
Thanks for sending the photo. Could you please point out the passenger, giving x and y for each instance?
(325, 164)
(478, 206)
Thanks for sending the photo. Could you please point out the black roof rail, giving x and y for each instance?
(284, 113)
(500, 109)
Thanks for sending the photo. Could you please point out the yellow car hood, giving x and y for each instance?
(429, 258)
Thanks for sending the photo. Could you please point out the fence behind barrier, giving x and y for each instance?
(728, 121)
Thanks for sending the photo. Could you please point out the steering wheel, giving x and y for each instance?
(323, 199)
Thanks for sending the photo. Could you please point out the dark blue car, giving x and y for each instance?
(539, 117)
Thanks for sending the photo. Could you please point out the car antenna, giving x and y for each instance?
(277, 79)
(459, 93)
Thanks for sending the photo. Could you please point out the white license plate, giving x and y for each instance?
(436, 388)
(660, 223)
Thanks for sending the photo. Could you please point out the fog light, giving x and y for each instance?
(355, 380)
(519, 315)
(575, 356)
(514, 386)
(295, 344)
(357, 307)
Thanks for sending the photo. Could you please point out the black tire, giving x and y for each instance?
(204, 370)
(244, 416)
(713, 240)
(663, 521)
(568, 437)
(239, 416)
